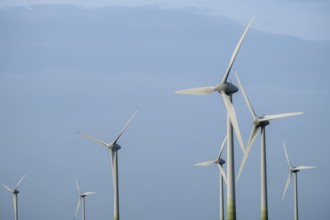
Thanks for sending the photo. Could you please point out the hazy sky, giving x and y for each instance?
(66, 69)
(305, 19)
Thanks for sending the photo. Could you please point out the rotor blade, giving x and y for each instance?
(272, 117)
(78, 187)
(78, 205)
(124, 128)
(206, 163)
(236, 51)
(197, 91)
(223, 173)
(88, 193)
(253, 136)
(222, 146)
(7, 188)
(94, 139)
(19, 182)
(233, 119)
(287, 156)
(245, 97)
(287, 185)
(303, 167)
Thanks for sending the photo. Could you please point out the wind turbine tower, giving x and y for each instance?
(113, 147)
(226, 89)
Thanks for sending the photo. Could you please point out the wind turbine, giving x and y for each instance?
(15, 192)
(226, 89)
(113, 148)
(81, 201)
(260, 123)
(219, 162)
(293, 170)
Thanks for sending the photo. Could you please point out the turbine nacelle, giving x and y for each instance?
(227, 88)
(259, 121)
(294, 170)
(221, 161)
(114, 147)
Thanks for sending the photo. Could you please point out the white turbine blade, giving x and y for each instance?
(304, 167)
(78, 187)
(245, 97)
(88, 193)
(19, 182)
(124, 128)
(222, 146)
(246, 153)
(287, 156)
(236, 51)
(78, 205)
(233, 119)
(197, 91)
(7, 188)
(206, 163)
(284, 115)
(223, 173)
(287, 185)
(94, 139)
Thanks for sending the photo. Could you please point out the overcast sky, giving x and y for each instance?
(87, 68)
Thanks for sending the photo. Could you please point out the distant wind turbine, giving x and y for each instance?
(219, 162)
(81, 201)
(260, 123)
(15, 192)
(113, 148)
(226, 89)
(293, 170)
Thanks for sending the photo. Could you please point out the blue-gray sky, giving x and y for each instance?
(87, 67)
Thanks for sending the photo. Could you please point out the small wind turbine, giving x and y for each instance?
(219, 162)
(226, 89)
(81, 201)
(294, 171)
(260, 123)
(113, 148)
(15, 196)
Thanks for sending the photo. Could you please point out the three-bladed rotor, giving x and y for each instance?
(258, 122)
(218, 161)
(226, 89)
(113, 145)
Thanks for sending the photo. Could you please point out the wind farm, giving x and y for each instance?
(66, 70)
